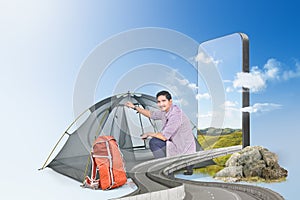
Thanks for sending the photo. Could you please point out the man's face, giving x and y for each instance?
(163, 103)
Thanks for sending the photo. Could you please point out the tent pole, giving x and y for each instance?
(142, 127)
(97, 133)
(66, 132)
(98, 130)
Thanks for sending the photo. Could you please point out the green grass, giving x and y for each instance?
(212, 142)
(210, 170)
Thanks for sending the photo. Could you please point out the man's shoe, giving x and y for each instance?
(171, 175)
(188, 172)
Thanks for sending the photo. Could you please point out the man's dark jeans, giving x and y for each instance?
(158, 147)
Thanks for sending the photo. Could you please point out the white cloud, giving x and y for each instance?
(208, 115)
(257, 79)
(181, 102)
(193, 86)
(202, 96)
(230, 104)
(186, 82)
(182, 81)
(254, 81)
(229, 89)
(261, 107)
(182, 90)
(204, 58)
(271, 69)
(292, 73)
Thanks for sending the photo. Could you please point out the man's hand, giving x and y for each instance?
(156, 135)
(145, 136)
(130, 105)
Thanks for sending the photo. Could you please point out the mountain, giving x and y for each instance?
(211, 131)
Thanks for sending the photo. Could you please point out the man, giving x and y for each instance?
(176, 137)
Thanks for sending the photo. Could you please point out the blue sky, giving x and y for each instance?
(43, 46)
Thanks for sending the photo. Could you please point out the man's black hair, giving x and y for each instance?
(164, 93)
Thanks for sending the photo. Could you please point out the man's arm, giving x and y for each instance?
(156, 135)
(144, 112)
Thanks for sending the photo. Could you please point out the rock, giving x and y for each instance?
(273, 173)
(270, 158)
(234, 171)
(254, 169)
(228, 179)
(232, 161)
(252, 162)
(249, 156)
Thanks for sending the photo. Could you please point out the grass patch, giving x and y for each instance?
(210, 170)
(257, 179)
(212, 142)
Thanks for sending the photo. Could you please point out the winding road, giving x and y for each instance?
(155, 180)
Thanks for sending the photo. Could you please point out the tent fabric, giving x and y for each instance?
(112, 118)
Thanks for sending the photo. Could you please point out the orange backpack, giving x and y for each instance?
(107, 160)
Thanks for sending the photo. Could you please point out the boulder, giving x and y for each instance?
(234, 171)
(233, 160)
(249, 157)
(253, 161)
(270, 158)
(273, 173)
(254, 169)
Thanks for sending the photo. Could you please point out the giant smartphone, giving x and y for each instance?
(220, 62)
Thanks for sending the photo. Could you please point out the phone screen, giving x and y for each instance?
(220, 62)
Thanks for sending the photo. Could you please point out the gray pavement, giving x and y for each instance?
(155, 181)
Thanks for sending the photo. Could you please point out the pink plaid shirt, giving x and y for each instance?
(177, 129)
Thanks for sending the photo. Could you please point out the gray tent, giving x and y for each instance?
(108, 117)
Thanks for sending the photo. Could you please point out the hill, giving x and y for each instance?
(218, 141)
(209, 139)
(217, 131)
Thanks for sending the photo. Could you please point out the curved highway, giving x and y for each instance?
(155, 180)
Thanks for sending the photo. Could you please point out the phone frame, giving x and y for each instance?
(245, 116)
(246, 93)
